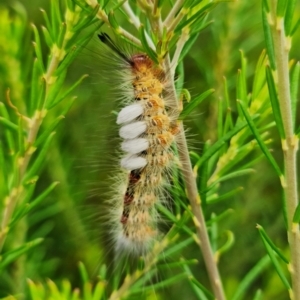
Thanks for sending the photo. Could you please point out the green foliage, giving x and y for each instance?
(25, 142)
(241, 126)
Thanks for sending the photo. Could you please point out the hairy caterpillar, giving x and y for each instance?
(148, 128)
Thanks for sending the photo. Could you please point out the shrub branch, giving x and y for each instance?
(289, 146)
(195, 201)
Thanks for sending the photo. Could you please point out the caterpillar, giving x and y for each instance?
(148, 128)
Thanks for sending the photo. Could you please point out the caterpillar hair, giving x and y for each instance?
(148, 128)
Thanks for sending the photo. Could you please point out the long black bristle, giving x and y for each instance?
(105, 38)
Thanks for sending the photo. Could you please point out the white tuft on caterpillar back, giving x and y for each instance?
(129, 113)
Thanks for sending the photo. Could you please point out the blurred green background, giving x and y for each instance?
(82, 159)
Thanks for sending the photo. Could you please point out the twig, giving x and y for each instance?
(289, 146)
(179, 46)
(171, 15)
(16, 192)
(101, 15)
(34, 126)
(177, 20)
(136, 22)
(132, 18)
(195, 201)
(191, 186)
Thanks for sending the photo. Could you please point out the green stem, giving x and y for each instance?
(289, 146)
(179, 46)
(199, 221)
(132, 18)
(170, 18)
(190, 183)
(195, 201)
(101, 15)
(17, 192)
(34, 125)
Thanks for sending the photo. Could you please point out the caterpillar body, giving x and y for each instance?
(148, 129)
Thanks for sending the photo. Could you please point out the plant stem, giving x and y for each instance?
(179, 46)
(17, 192)
(132, 18)
(173, 12)
(199, 221)
(195, 201)
(34, 125)
(289, 146)
(101, 15)
(190, 180)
